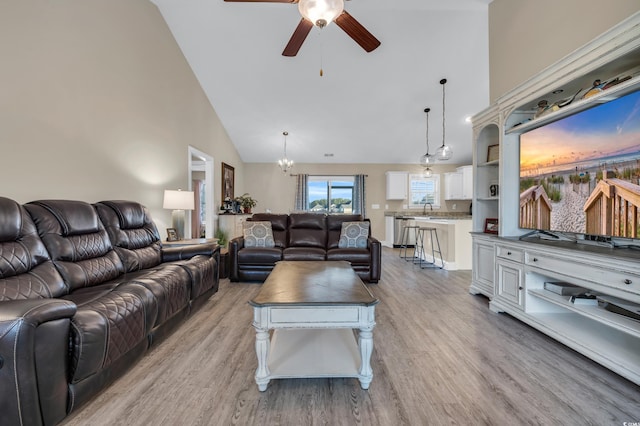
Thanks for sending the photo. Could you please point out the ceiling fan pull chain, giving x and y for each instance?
(321, 52)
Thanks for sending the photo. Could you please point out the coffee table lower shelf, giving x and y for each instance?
(313, 353)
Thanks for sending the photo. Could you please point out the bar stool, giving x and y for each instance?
(404, 241)
(420, 249)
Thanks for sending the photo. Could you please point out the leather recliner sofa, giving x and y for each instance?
(303, 236)
(85, 291)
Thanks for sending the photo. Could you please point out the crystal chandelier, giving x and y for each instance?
(445, 152)
(285, 164)
(427, 159)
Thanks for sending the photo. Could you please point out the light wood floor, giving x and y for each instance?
(440, 357)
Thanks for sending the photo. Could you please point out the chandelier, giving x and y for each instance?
(445, 152)
(427, 159)
(285, 164)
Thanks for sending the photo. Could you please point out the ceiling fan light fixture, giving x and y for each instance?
(284, 163)
(321, 12)
(445, 152)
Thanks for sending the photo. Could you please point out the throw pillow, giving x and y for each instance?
(354, 235)
(258, 234)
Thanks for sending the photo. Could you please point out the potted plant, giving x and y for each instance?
(246, 202)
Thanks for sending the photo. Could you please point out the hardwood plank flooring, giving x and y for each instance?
(440, 357)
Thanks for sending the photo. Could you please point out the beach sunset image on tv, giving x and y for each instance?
(581, 174)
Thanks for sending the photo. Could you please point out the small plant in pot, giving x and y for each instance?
(246, 202)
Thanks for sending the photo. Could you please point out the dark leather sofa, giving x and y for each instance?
(302, 236)
(85, 291)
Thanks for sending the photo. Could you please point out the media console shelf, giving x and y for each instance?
(512, 272)
(522, 268)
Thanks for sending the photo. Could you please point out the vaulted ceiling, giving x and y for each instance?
(367, 107)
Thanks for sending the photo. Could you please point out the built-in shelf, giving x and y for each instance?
(493, 163)
(488, 198)
(596, 313)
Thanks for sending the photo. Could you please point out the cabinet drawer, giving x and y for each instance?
(510, 253)
(594, 273)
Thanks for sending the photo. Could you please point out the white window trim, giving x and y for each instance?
(437, 195)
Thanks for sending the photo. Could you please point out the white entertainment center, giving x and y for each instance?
(512, 271)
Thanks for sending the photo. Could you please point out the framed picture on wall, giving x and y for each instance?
(228, 176)
(493, 152)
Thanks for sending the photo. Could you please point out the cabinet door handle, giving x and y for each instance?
(508, 253)
(520, 288)
(628, 281)
(535, 259)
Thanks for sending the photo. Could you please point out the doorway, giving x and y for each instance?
(201, 169)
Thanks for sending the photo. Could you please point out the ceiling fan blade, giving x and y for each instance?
(357, 32)
(298, 37)
(262, 1)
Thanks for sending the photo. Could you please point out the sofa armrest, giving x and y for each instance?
(172, 254)
(375, 247)
(234, 247)
(34, 341)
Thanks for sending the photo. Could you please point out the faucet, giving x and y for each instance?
(424, 208)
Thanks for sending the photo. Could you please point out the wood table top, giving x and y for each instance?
(310, 283)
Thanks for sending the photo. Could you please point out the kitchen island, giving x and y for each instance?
(454, 234)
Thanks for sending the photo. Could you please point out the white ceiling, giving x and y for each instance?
(368, 107)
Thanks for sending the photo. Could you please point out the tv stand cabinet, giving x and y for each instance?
(522, 268)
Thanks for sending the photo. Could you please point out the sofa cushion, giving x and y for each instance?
(279, 226)
(26, 271)
(307, 230)
(355, 256)
(259, 256)
(334, 227)
(258, 234)
(76, 241)
(132, 232)
(304, 253)
(354, 235)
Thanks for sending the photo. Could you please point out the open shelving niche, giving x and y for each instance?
(608, 338)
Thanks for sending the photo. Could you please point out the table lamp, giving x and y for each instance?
(178, 201)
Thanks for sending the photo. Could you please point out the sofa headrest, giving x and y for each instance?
(74, 217)
(278, 221)
(10, 220)
(334, 221)
(308, 221)
(131, 215)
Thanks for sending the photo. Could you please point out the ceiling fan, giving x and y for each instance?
(321, 13)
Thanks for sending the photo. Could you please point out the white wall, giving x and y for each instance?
(97, 102)
(527, 36)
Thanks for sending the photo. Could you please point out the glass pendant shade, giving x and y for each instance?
(445, 152)
(427, 172)
(427, 159)
(285, 164)
(321, 12)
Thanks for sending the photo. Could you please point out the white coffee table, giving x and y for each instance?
(322, 316)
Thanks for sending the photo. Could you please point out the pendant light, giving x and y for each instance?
(285, 164)
(427, 159)
(445, 152)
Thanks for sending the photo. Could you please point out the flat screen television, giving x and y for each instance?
(581, 173)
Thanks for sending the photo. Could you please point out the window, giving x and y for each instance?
(338, 189)
(424, 190)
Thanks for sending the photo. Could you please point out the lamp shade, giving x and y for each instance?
(321, 12)
(178, 200)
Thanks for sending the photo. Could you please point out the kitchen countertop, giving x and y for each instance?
(430, 215)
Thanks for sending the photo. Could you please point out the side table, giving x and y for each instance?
(190, 242)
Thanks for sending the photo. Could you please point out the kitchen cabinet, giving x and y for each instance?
(397, 185)
(458, 185)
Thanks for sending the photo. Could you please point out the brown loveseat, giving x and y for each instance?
(85, 291)
(303, 236)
